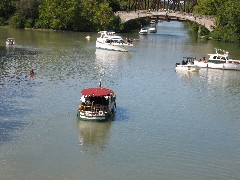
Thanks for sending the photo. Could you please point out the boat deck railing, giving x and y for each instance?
(93, 108)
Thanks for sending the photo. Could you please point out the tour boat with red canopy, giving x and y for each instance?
(97, 104)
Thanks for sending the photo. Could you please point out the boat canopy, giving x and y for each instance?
(96, 92)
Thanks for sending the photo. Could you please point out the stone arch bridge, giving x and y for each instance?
(207, 21)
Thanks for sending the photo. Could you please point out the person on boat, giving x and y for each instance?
(204, 59)
(87, 101)
(183, 62)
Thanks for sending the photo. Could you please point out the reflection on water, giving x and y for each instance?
(168, 125)
(106, 56)
(223, 78)
(94, 134)
(187, 74)
(109, 63)
(7, 128)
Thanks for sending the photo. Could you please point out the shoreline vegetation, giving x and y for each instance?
(95, 15)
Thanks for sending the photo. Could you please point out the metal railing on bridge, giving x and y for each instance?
(177, 5)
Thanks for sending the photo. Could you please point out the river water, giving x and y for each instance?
(168, 125)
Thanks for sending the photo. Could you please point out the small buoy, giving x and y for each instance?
(88, 37)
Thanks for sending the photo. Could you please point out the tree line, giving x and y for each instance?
(76, 15)
(95, 15)
(227, 15)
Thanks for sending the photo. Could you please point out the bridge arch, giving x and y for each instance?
(206, 21)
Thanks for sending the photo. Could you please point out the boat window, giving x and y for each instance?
(214, 57)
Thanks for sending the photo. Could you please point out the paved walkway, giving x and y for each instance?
(207, 21)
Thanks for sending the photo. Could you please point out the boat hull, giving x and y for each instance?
(111, 46)
(143, 31)
(190, 68)
(223, 66)
(98, 117)
(152, 30)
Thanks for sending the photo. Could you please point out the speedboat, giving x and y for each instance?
(97, 104)
(10, 41)
(111, 41)
(143, 31)
(187, 65)
(152, 29)
(219, 61)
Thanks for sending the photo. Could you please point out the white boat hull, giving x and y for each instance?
(223, 66)
(190, 68)
(152, 30)
(96, 116)
(219, 61)
(143, 31)
(88, 115)
(112, 46)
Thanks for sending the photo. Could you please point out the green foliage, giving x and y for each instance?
(2, 21)
(198, 30)
(76, 15)
(115, 5)
(6, 10)
(58, 14)
(17, 21)
(98, 15)
(29, 23)
(208, 7)
(227, 17)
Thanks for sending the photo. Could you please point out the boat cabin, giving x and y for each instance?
(10, 41)
(97, 103)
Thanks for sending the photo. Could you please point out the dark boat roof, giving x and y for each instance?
(99, 91)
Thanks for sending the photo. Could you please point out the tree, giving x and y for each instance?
(228, 22)
(6, 9)
(226, 13)
(98, 15)
(208, 7)
(58, 14)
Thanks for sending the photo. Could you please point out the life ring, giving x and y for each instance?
(101, 113)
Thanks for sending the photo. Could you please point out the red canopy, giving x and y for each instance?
(96, 91)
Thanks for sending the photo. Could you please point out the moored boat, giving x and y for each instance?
(97, 104)
(219, 61)
(10, 41)
(153, 27)
(187, 65)
(143, 31)
(111, 41)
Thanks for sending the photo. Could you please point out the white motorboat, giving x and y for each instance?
(97, 104)
(219, 61)
(143, 31)
(187, 65)
(111, 41)
(152, 28)
(10, 42)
